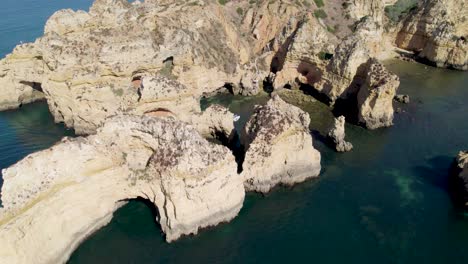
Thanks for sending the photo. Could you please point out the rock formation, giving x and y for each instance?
(337, 135)
(402, 98)
(375, 97)
(437, 31)
(459, 179)
(88, 63)
(278, 147)
(55, 198)
(20, 77)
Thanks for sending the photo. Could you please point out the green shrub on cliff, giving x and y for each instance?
(319, 3)
(400, 9)
(319, 13)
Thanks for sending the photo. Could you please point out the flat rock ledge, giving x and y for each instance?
(278, 146)
(56, 198)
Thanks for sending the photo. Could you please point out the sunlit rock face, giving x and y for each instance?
(87, 63)
(55, 198)
(337, 135)
(375, 97)
(437, 31)
(279, 147)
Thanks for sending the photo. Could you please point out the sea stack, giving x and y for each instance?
(337, 135)
(279, 147)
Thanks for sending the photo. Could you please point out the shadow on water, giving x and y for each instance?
(436, 172)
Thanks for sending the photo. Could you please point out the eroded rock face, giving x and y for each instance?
(375, 97)
(438, 31)
(215, 122)
(86, 62)
(20, 77)
(373, 8)
(55, 198)
(337, 135)
(459, 179)
(278, 146)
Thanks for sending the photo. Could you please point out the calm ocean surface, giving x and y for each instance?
(384, 202)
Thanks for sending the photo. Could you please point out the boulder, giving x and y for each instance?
(375, 97)
(56, 198)
(278, 147)
(337, 135)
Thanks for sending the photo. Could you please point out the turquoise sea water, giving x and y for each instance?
(384, 202)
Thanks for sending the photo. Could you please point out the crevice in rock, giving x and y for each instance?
(278, 60)
(268, 85)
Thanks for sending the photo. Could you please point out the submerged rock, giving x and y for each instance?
(337, 135)
(375, 97)
(55, 198)
(278, 147)
(459, 179)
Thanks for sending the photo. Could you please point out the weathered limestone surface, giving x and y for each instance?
(337, 135)
(55, 198)
(20, 75)
(278, 146)
(86, 62)
(375, 97)
(438, 31)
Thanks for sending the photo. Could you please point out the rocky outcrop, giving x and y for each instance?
(215, 122)
(55, 198)
(20, 77)
(375, 97)
(305, 47)
(402, 98)
(345, 71)
(87, 63)
(437, 31)
(278, 147)
(337, 135)
(459, 179)
(358, 9)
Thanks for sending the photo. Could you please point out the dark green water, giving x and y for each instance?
(385, 202)
(25, 131)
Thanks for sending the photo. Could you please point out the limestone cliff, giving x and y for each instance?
(87, 63)
(55, 198)
(437, 31)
